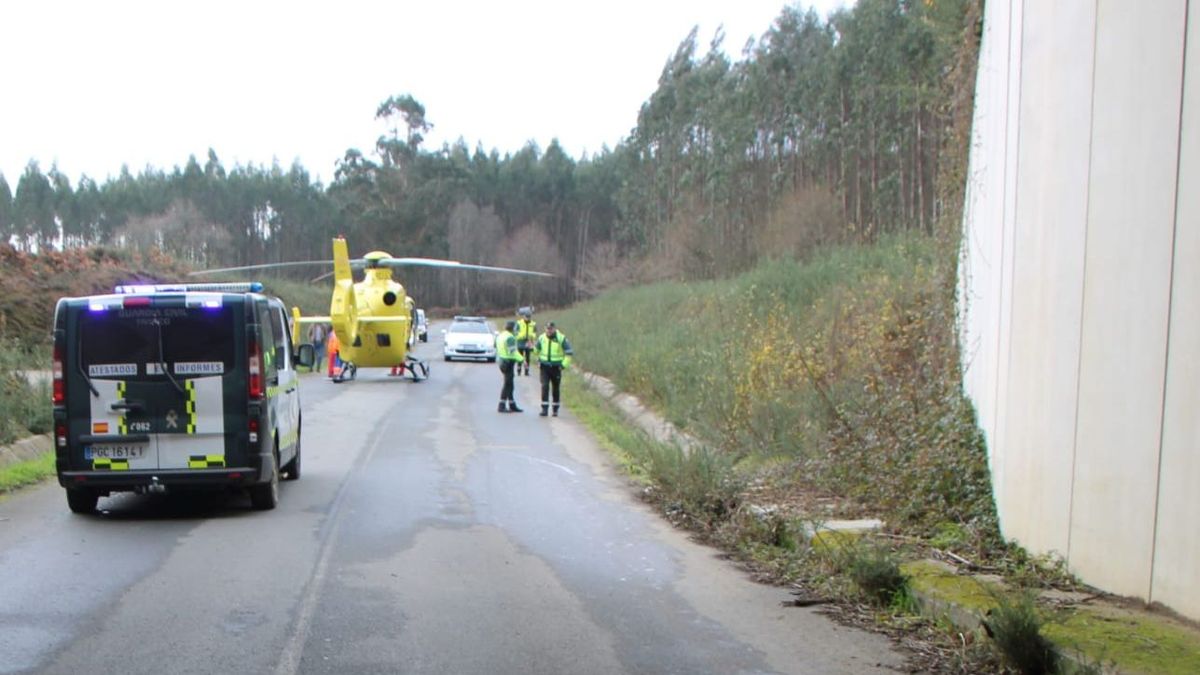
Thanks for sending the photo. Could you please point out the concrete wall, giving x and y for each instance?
(1079, 269)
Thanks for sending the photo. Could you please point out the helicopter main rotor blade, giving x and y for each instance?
(359, 263)
(265, 266)
(454, 264)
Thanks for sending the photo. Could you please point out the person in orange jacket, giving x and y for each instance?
(333, 346)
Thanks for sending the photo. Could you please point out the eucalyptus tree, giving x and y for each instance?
(597, 180)
(7, 215)
(554, 190)
(65, 211)
(88, 212)
(33, 207)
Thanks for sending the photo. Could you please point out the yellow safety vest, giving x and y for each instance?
(526, 330)
(506, 347)
(554, 352)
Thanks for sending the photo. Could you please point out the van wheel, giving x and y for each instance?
(265, 496)
(82, 500)
(291, 470)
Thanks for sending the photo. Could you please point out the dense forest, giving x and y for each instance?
(823, 131)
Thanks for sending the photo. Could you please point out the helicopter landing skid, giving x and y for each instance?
(348, 372)
(417, 369)
(415, 364)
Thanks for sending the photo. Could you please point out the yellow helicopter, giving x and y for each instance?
(373, 318)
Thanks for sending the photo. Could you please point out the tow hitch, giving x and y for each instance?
(154, 488)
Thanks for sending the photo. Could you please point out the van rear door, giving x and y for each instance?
(160, 371)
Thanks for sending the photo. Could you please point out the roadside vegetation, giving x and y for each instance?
(24, 400)
(24, 411)
(833, 378)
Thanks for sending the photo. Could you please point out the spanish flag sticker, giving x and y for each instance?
(99, 427)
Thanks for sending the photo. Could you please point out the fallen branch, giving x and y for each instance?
(957, 558)
(805, 602)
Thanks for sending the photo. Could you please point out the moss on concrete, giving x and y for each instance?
(942, 581)
(834, 540)
(1136, 642)
(1131, 641)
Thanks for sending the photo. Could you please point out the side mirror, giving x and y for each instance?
(306, 355)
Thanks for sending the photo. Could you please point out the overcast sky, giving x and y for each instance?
(94, 85)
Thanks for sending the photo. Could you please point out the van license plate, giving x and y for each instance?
(114, 451)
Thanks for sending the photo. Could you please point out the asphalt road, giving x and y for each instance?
(428, 534)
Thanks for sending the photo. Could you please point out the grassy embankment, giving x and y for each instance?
(820, 390)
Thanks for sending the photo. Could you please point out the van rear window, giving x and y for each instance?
(125, 342)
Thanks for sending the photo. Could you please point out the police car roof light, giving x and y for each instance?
(240, 287)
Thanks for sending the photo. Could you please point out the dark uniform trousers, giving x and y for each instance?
(506, 390)
(525, 349)
(551, 380)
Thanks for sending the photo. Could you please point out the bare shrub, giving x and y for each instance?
(529, 248)
(604, 269)
(473, 232)
(801, 221)
(182, 230)
(473, 235)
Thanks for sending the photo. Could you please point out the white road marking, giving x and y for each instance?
(539, 460)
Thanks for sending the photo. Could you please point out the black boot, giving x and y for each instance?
(512, 406)
(544, 411)
(556, 411)
(502, 407)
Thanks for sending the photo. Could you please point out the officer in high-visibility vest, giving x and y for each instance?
(554, 356)
(507, 355)
(526, 336)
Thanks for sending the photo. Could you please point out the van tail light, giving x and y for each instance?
(60, 392)
(60, 435)
(253, 428)
(254, 368)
